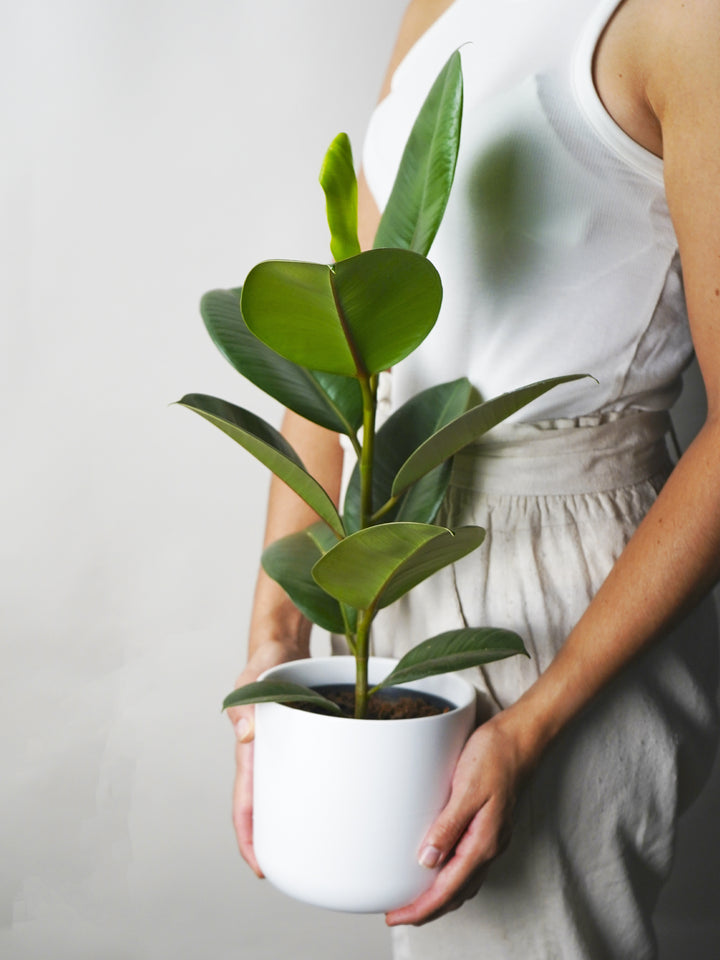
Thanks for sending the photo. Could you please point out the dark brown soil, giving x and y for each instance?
(391, 704)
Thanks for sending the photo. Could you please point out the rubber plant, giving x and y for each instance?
(316, 337)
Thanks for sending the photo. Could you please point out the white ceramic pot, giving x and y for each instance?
(342, 805)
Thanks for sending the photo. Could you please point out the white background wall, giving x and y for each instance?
(152, 149)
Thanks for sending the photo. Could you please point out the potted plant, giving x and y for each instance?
(339, 809)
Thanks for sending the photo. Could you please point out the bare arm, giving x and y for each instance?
(674, 556)
(419, 15)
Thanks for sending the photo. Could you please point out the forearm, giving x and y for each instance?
(274, 617)
(670, 562)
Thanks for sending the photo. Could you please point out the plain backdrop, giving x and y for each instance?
(151, 150)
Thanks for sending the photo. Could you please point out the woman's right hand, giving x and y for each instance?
(278, 632)
(269, 654)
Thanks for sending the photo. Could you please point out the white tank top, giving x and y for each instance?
(557, 253)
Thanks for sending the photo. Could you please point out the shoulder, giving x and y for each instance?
(684, 90)
(418, 18)
(657, 69)
(682, 57)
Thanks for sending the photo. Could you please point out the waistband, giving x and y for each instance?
(586, 455)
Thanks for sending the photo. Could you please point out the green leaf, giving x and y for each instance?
(337, 178)
(389, 301)
(377, 565)
(343, 395)
(403, 432)
(455, 650)
(290, 560)
(468, 428)
(267, 445)
(290, 306)
(422, 186)
(278, 691)
(357, 317)
(331, 401)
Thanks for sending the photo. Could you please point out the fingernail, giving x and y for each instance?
(242, 728)
(429, 857)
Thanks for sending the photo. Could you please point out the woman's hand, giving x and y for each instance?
(473, 828)
(278, 632)
(269, 654)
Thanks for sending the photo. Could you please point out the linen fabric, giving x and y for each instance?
(595, 826)
(557, 256)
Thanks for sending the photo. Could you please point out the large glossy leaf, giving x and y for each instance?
(422, 186)
(389, 300)
(337, 178)
(290, 560)
(407, 428)
(469, 427)
(455, 650)
(278, 691)
(357, 317)
(265, 443)
(377, 565)
(333, 402)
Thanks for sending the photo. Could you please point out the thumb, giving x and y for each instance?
(243, 723)
(445, 832)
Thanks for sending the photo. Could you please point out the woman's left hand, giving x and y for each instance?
(473, 828)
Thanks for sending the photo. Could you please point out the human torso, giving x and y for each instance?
(557, 253)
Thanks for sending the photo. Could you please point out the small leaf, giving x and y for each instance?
(289, 561)
(267, 445)
(337, 178)
(377, 565)
(333, 402)
(422, 187)
(278, 691)
(455, 650)
(407, 428)
(469, 427)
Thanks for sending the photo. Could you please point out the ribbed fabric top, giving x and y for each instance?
(557, 253)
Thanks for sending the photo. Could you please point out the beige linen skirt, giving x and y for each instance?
(594, 828)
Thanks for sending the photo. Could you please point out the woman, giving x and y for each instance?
(590, 157)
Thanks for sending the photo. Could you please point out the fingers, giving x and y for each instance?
(243, 723)
(446, 831)
(243, 718)
(472, 829)
(243, 805)
(465, 867)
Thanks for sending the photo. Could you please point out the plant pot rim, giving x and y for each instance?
(453, 687)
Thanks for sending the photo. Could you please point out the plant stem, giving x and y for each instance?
(368, 385)
(349, 634)
(362, 650)
(356, 445)
(386, 508)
